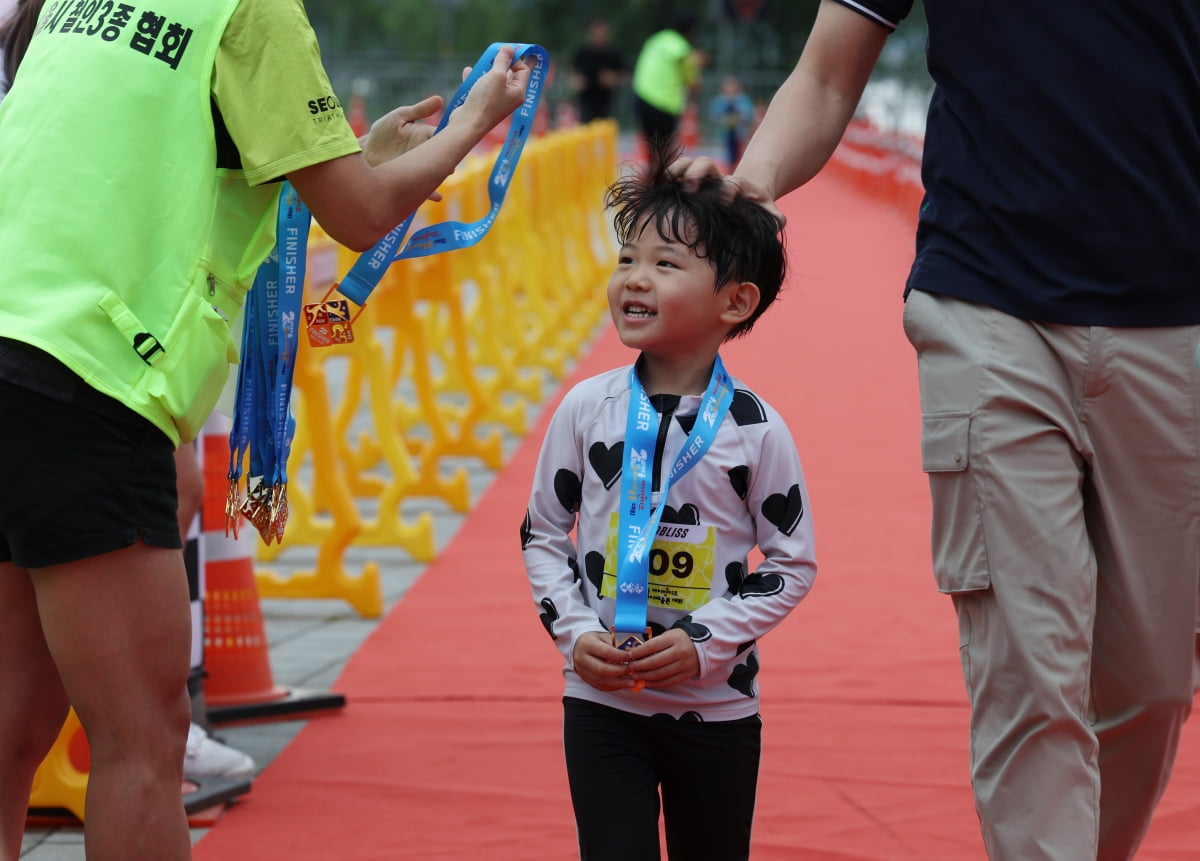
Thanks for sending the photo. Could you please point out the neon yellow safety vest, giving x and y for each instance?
(665, 68)
(124, 251)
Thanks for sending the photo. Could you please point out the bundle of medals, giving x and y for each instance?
(263, 426)
(261, 438)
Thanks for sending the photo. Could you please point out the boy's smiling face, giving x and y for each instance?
(663, 300)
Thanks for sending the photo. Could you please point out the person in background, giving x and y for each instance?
(733, 113)
(1054, 311)
(114, 347)
(678, 713)
(665, 76)
(597, 71)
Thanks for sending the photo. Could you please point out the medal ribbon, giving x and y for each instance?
(638, 519)
(263, 425)
(364, 276)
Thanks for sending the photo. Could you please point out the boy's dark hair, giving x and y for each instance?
(740, 240)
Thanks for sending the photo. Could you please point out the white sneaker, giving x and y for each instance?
(206, 757)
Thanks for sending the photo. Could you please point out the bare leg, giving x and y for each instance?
(118, 627)
(33, 703)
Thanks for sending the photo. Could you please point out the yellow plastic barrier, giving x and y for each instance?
(449, 349)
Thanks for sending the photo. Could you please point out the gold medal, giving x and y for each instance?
(232, 509)
(329, 321)
(279, 512)
(256, 508)
(628, 642)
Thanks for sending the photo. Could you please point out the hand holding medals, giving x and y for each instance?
(609, 664)
(263, 425)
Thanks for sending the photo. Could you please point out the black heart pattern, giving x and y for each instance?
(606, 462)
(757, 585)
(785, 511)
(747, 409)
(549, 616)
(686, 513)
(739, 478)
(568, 487)
(743, 675)
(526, 530)
(697, 632)
(735, 573)
(593, 564)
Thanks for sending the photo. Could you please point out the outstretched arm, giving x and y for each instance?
(810, 110)
(357, 203)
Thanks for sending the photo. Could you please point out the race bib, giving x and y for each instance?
(682, 564)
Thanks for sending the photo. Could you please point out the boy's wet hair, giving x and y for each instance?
(739, 239)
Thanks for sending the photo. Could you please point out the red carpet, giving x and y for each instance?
(450, 745)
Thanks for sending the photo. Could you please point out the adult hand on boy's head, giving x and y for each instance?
(692, 171)
(498, 93)
(400, 130)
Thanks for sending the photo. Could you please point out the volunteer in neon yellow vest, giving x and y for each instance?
(139, 150)
(667, 70)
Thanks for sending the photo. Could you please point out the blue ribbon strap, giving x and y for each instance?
(364, 276)
(264, 426)
(638, 518)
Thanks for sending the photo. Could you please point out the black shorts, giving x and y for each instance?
(78, 482)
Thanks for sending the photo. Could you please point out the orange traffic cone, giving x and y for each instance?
(238, 685)
(61, 780)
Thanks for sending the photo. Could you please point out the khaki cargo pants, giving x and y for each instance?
(1064, 468)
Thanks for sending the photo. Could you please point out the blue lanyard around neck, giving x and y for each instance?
(638, 518)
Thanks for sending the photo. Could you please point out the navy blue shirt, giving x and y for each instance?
(1062, 157)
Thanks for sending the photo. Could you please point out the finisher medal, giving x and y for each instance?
(329, 322)
(626, 643)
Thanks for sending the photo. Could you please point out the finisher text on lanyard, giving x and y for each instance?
(262, 419)
(263, 425)
(638, 518)
(329, 321)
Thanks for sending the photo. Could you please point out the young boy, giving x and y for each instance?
(661, 642)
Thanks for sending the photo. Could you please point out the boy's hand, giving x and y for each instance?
(666, 660)
(497, 94)
(398, 131)
(600, 664)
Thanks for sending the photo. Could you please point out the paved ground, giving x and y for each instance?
(310, 642)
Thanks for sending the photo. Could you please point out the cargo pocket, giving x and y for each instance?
(188, 367)
(959, 551)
